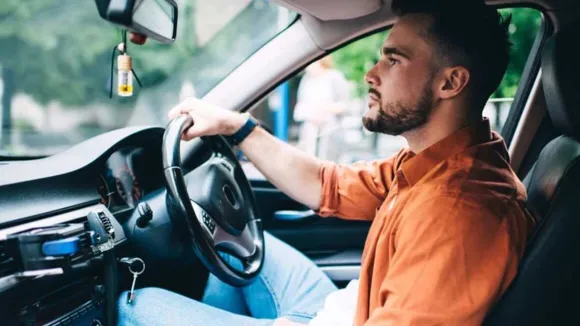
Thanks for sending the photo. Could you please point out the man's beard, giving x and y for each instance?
(395, 118)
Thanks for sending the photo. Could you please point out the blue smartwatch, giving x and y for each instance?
(244, 131)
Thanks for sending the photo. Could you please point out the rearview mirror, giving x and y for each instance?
(157, 19)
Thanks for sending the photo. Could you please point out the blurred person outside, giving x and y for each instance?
(323, 96)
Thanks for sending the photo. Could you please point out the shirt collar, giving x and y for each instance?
(415, 166)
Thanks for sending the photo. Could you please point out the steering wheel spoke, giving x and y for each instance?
(241, 246)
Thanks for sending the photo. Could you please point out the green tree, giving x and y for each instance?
(523, 31)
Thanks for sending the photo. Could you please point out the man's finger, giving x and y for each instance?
(175, 111)
(192, 132)
(172, 114)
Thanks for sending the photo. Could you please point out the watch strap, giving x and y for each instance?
(244, 131)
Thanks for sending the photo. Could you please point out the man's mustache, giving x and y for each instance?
(375, 93)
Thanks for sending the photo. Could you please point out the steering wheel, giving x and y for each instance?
(213, 207)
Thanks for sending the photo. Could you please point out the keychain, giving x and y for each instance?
(136, 267)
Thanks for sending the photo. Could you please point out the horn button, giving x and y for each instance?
(213, 187)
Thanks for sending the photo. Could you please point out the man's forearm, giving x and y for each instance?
(292, 171)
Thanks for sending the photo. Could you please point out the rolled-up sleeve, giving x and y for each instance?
(355, 191)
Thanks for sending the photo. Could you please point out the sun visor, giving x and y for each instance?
(332, 10)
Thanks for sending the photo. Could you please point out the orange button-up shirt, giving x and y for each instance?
(448, 229)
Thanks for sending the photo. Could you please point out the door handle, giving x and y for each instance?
(295, 216)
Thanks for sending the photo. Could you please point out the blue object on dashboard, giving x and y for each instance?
(62, 247)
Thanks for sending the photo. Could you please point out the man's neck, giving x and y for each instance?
(439, 127)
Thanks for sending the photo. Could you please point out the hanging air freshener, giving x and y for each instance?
(125, 70)
(125, 76)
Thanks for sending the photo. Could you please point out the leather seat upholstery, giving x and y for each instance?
(546, 290)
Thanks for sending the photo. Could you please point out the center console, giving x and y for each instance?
(61, 270)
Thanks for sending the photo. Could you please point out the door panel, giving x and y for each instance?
(335, 245)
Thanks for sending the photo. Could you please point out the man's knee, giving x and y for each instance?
(144, 297)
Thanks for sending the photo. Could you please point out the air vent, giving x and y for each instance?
(107, 224)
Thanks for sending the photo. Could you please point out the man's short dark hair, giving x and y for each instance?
(467, 33)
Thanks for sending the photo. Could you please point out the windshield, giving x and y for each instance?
(55, 60)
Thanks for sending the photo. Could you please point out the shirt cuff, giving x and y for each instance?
(328, 200)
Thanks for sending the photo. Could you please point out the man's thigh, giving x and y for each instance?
(154, 306)
(289, 285)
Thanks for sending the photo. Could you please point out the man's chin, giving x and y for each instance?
(369, 123)
(374, 125)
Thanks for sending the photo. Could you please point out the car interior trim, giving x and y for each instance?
(532, 116)
(341, 273)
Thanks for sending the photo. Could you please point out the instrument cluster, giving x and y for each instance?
(129, 174)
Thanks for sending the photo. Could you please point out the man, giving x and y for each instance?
(448, 219)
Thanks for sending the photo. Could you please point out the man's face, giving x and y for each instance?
(401, 83)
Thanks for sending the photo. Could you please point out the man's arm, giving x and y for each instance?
(294, 172)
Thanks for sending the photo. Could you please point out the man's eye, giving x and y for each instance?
(393, 62)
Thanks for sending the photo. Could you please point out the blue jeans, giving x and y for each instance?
(290, 285)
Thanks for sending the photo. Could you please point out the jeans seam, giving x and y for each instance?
(272, 293)
(301, 314)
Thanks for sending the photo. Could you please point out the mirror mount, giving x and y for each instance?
(156, 19)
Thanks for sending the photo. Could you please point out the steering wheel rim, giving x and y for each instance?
(204, 216)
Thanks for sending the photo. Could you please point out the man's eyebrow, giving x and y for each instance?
(393, 50)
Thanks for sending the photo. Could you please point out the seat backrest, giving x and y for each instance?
(546, 290)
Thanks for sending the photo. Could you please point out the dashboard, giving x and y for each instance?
(47, 202)
(117, 169)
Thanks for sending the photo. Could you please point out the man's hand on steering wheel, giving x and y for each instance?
(209, 119)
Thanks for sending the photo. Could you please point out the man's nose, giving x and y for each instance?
(372, 78)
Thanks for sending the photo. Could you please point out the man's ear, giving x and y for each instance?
(454, 81)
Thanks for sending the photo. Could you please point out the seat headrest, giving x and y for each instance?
(561, 80)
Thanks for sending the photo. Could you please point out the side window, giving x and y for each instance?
(524, 28)
(320, 109)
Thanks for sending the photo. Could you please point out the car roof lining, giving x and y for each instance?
(339, 10)
(329, 29)
(327, 10)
